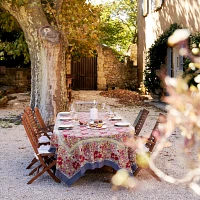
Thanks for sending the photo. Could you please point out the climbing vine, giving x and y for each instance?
(155, 58)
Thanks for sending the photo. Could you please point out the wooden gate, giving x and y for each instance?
(84, 74)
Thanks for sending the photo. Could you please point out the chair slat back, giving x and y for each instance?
(39, 118)
(139, 121)
(31, 118)
(151, 142)
(29, 131)
(32, 121)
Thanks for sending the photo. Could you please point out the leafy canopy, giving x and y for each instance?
(82, 26)
(12, 41)
(119, 28)
(77, 22)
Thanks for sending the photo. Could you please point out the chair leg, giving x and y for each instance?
(46, 169)
(137, 171)
(32, 163)
(153, 174)
(149, 171)
(34, 170)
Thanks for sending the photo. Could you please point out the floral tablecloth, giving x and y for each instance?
(83, 148)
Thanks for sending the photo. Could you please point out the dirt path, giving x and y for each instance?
(16, 153)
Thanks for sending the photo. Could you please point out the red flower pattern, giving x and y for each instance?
(128, 164)
(76, 165)
(97, 154)
(59, 161)
(71, 157)
(114, 156)
(81, 158)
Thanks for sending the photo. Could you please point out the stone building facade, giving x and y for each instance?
(156, 16)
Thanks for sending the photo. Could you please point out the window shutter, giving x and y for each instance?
(144, 7)
(169, 61)
(181, 60)
(153, 5)
(181, 63)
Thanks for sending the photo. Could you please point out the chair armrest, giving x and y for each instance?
(43, 131)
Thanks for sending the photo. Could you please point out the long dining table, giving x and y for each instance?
(83, 147)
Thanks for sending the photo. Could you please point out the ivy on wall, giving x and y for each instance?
(155, 58)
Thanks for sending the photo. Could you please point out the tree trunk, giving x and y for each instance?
(48, 76)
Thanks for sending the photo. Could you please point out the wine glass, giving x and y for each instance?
(75, 117)
(72, 109)
(103, 105)
(108, 109)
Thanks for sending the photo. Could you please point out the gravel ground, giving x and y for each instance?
(16, 153)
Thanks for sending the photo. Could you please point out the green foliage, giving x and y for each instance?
(118, 25)
(77, 22)
(8, 22)
(79, 25)
(131, 85)
(155, 58)
(194, 40)
(12, 41)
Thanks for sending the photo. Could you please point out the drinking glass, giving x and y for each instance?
(103, 105)
(75, 117)
(108, 109)
(72, 107)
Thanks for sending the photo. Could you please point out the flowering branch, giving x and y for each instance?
(183, 114)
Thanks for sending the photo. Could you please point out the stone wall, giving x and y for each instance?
(18, 77)
(132, 53)
(111, 73)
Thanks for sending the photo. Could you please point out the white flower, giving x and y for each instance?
(197, 79)
(178, 36)
(170, 81)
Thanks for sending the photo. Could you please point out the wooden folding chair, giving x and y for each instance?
(41, 134)
(150, 144)
(47, 160)
(139, 121)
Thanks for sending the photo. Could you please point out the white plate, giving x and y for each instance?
(66, 126)
(65, 118)
(64, 113)
(116, 118)
(121, 124)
